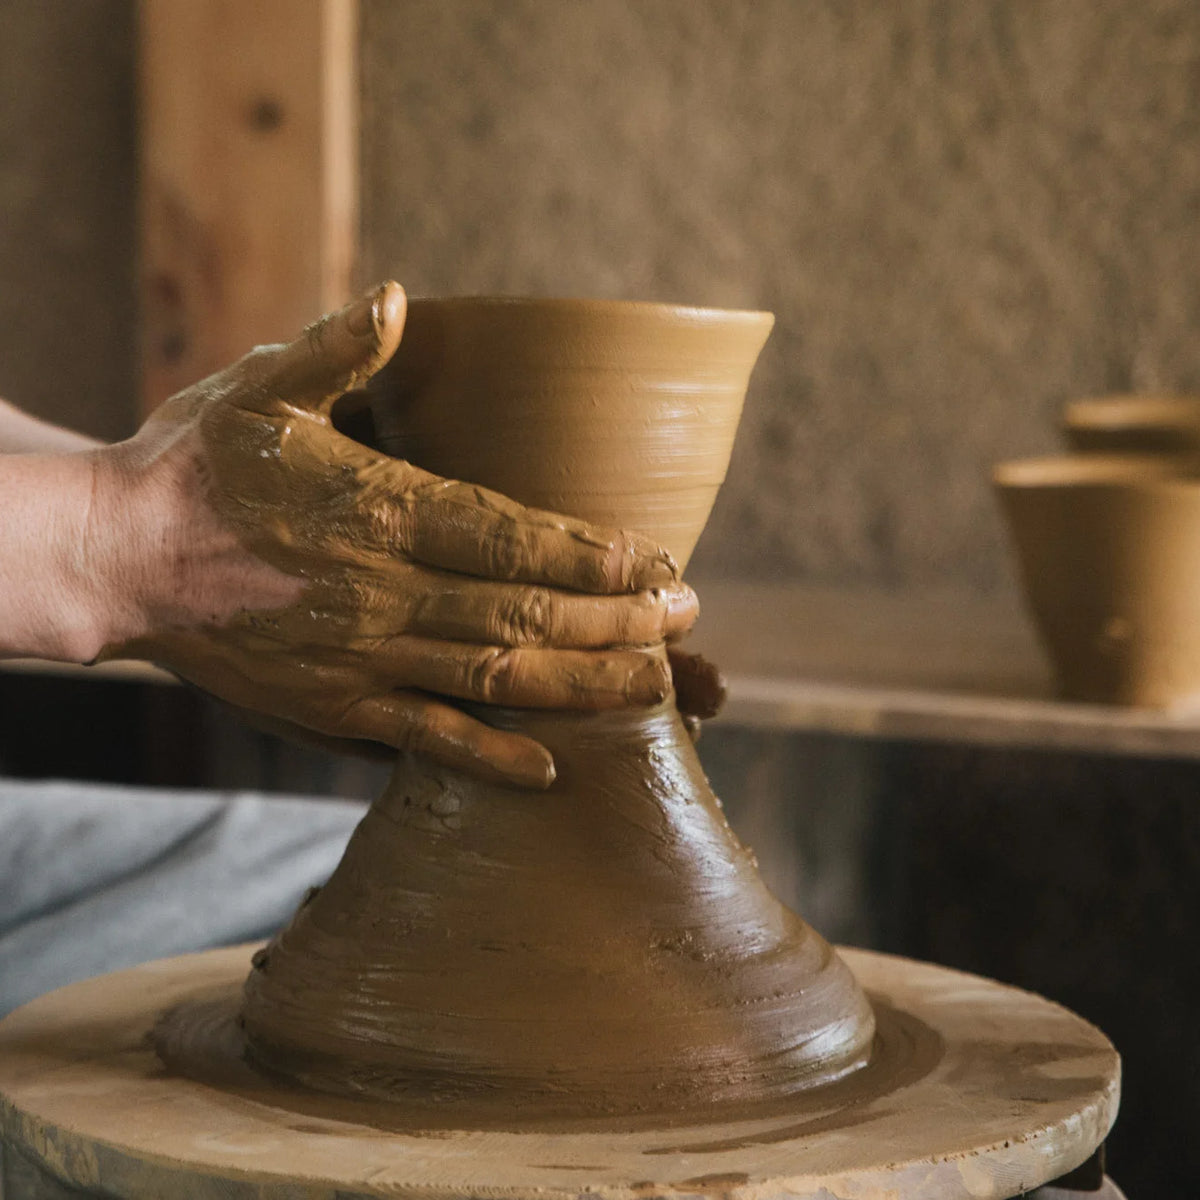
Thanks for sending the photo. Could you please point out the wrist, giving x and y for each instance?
(124, 539)
(96, 551)
(163, 560)
(48, 603)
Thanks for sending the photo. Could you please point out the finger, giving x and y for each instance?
(683, 609)
(299, 735)
(699, 685)
(337, 353)
(425, 726)
(469, 529)
(404, 720)
(508, 614)
(525, 678)
(686, 614)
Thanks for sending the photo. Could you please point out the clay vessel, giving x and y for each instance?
(605, 948)
(1133, 425)
(1109, 553)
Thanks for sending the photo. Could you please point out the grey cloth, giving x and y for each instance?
(95, 878)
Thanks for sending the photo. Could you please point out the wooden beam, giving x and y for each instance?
(249, 177)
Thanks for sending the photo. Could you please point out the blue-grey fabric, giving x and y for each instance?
(95, 878)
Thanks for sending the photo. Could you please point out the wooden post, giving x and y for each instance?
(249, 177)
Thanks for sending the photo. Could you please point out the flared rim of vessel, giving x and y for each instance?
(644, 308)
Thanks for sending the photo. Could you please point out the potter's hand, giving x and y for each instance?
(290, 570)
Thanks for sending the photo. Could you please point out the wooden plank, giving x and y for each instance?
(249, 179)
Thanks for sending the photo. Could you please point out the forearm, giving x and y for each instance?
(21, 433)
(48, 600)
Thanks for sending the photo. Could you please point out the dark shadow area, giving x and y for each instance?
(156, 735)
(1074, 877)
(103, 731)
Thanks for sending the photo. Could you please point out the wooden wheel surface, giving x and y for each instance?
(976, 1091)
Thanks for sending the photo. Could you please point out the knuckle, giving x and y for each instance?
(641, 618)
(526, 618)
(335, 716)
(507, 552)
(390, 525)
(397, 723)
(263, 359)
(493, 675)
(314, 335)
(413, 735)
(321, 716)
(259, 370)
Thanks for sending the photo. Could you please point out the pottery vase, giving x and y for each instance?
(1108, 553)
(605, 948)
(1134, 424)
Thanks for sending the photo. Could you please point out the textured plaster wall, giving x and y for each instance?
(67, 152)
(962, 212)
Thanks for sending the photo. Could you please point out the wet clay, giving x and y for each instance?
(202, 1039)
(700, 687)
(605, 947)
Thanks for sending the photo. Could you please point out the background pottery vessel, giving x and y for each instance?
(607, 947)
(1134, 424)
(1109, 553)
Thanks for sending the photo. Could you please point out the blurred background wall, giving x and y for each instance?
(963, 213)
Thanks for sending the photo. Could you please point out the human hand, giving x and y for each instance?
(257, 552)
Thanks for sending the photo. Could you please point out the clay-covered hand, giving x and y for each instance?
(288, 569)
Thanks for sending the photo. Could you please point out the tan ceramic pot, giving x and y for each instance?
(620, 413)
(1109, 553)
(1134, 425)
(605, 948)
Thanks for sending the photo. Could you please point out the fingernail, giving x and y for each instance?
(391, 304)
(535, 770)
(378, 309)
(682, 605)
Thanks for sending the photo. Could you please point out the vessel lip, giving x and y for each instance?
(664, 308)
(1121, 408)
(1060, 471)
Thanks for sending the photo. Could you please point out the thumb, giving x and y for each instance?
(340, 351)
